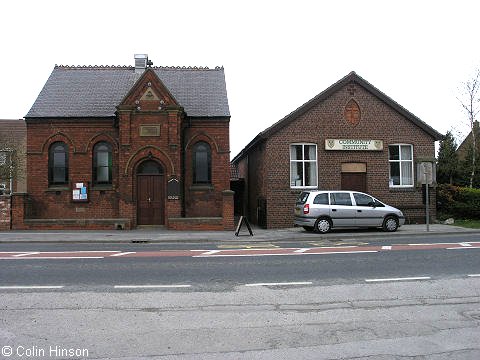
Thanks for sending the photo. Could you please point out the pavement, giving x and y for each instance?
(162, 235)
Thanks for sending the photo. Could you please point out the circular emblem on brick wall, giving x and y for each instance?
(352, 112)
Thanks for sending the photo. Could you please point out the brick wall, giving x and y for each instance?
(207, 200)
(326, 121)
(80, 136)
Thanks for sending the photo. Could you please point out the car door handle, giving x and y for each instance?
(359, 210)
(334, 209)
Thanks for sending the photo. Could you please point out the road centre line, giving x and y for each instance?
(281, 284)
(150, 286)
(399, 279)
(387, 247)
(27, 253)
(24, 287)
(465, 244)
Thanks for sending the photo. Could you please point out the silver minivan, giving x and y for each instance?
(321, 211)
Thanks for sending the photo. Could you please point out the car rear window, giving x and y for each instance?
(302, 198)
(321, 199)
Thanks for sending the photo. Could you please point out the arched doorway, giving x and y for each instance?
(150, 193)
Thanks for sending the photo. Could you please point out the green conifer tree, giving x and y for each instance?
(447, 167)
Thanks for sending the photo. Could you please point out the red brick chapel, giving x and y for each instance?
(117, 147)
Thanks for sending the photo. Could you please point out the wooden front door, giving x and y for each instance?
(354, 181)
(150, 194)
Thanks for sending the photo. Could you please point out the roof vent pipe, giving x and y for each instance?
(141, 61)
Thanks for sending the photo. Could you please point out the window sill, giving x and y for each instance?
(402, 188)
(206, 187)
(102, 188)
(57, 188)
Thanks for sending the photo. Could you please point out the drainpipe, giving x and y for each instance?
(183, 153)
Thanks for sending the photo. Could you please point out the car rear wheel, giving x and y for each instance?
(390, 224)
(323, 225)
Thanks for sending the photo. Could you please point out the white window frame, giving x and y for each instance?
(399, 161)
(303, 161)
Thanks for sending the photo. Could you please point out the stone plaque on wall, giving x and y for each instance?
(149, 130)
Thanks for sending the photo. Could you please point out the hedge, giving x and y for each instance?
(458, 202)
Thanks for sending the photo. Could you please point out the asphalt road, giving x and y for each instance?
(137, 301)
(224, 273)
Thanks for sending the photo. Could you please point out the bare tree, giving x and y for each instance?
(470, 101)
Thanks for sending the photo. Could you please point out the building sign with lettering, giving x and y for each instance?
(353, 144)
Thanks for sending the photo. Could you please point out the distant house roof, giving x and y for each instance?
(352, 77)
(95, 91)
(467, 143)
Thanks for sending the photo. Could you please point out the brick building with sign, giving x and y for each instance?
(122, 146)
(350, 136)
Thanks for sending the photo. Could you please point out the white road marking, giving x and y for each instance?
(150, 286)
(22, 287)
(211, 252)
(400, 279)
(465, 244)
(474, 275)
(301, 250)
(288, 254)
(463, 248)
(124, 253)
(281, 284)
(387, 247)
(27, 253)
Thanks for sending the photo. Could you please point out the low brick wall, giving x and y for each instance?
(196, 223)
(5, 214)
(76, 224)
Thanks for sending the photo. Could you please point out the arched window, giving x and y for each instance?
(102, 163)
(202, 163)
(58, 164)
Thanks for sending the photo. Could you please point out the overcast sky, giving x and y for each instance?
(277, 54)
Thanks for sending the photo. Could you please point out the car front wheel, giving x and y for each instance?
(390, 224)
(323, 225)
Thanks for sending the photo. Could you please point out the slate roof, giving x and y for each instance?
(351, 77)
(95, 91)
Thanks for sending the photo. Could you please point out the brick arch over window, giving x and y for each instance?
(99, 138)
(202, 137)
(59, 136)
(147, 152)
